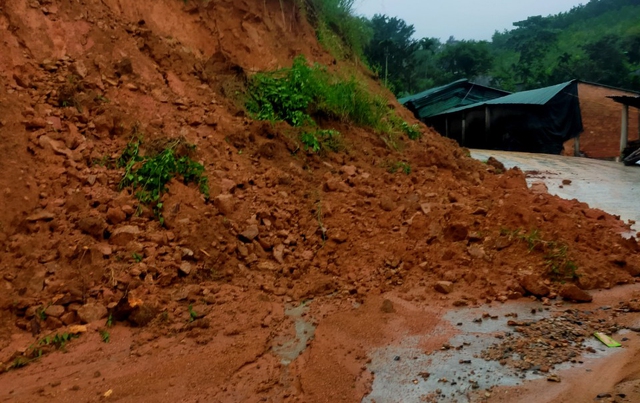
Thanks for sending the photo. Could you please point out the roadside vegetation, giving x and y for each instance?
(306, 96)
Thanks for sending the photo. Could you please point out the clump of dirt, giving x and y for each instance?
(281, 225)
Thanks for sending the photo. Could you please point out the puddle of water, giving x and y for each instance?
(291, 349)
(401, 370)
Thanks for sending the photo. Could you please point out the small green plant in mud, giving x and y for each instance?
(559, 266)
(59, 341)
(105, 336)
(148, 174)
(412, 131)
(398, 166)
(48, 343)
(109, 321)
(136, 257)
(193, 315)
(533, 239)
(321, 141)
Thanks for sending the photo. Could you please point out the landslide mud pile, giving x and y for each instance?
(78, 81)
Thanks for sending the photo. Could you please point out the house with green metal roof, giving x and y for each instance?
(453, 95)
(538, 120)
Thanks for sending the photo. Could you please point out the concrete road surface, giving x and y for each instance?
(607, 185)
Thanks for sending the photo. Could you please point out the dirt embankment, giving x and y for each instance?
(281, 227)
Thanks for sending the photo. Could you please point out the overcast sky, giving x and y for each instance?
(464, 19)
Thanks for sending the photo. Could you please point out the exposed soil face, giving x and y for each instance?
(209, 290)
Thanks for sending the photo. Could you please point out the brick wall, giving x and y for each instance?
(601, 118)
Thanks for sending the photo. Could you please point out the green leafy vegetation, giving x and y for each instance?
(598, 42)
(193, 315)
(105, 335)
(59, 341)
(321, 140)
(398, 166)
(148, 174)
(304, 95)
(46, 344)
(137, 257)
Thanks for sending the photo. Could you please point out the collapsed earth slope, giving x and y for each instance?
(282, 225)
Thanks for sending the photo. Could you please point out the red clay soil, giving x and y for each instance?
(76, 80)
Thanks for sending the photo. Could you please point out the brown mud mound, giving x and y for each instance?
(280, 227)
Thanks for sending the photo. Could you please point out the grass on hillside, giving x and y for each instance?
(305, 94)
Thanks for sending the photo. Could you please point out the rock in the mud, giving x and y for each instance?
(115, 215)
(499, 166)
(123, 235)
(249, 234)
(534, 286)
(444, 287)
(79, 68)
(338, 236)
(224, 203)
(92, 225)
(349, 170)
(334, 185)
(69, 318)
(36, 123)
(185, 268)
(571, 292)
(553, 378)
(387, 306)
(456, 232)
(477, 252)
(41, 216)
(278, 253)
(91, 312)
(142, 315)
(539, 188)
(54, 310)
(387, 204)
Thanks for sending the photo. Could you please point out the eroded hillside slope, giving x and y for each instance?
(79, 79)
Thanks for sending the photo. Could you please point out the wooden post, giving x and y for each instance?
(487, 125)
(464, 128)
(446, 126)
(576, 146)
(624, 133)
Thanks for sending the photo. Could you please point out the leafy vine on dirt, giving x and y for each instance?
(148, 175)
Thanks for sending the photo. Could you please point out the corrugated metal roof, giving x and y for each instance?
(533, 97)
(440, 99)
(539, 96)
(430, 91)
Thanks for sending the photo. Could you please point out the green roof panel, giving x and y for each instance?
(539, 96)
(453, 95)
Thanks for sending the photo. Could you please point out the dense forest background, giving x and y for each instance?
(597, 42)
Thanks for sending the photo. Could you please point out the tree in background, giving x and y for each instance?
(464, 59)
(598, 41)
(532, 39)
(391, 50)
